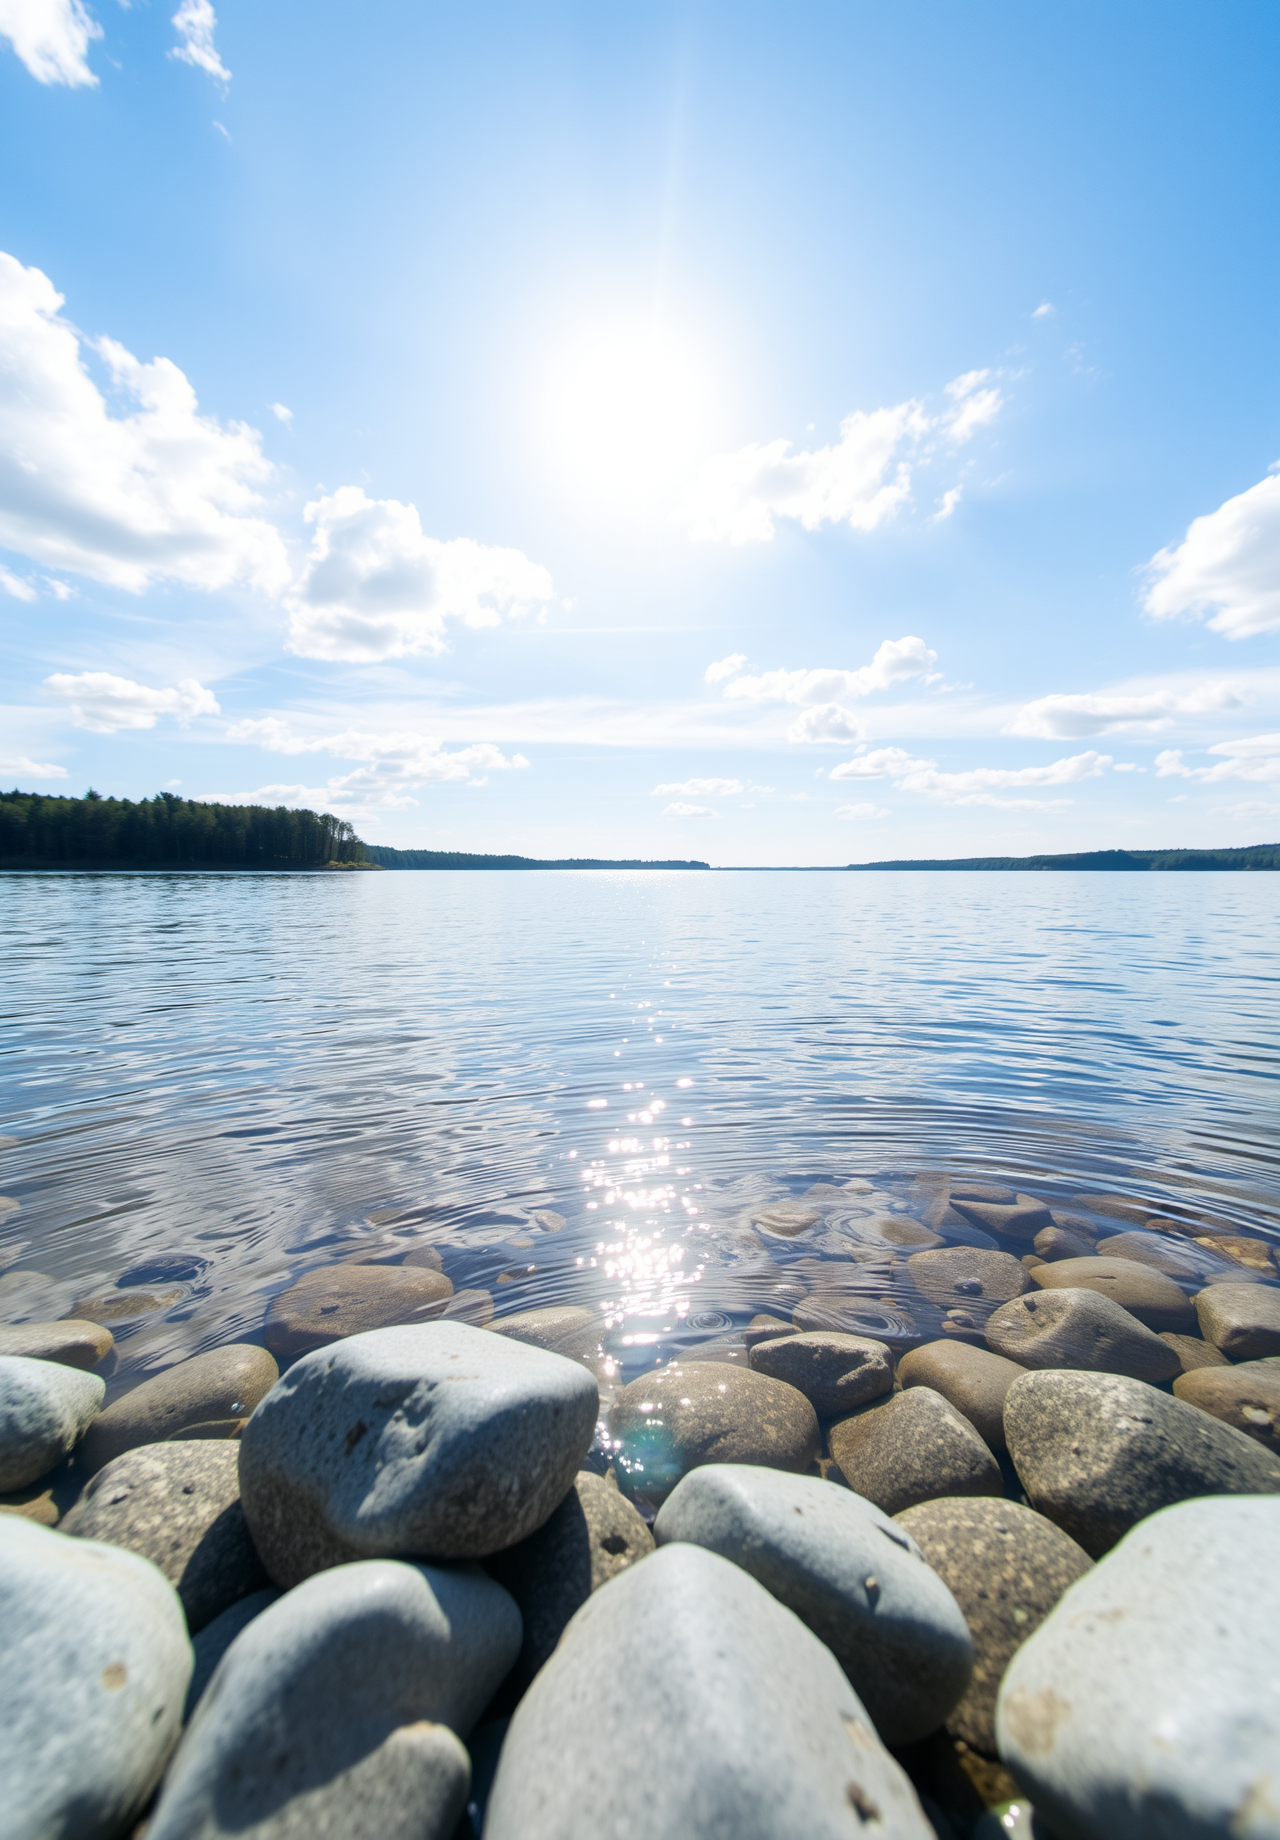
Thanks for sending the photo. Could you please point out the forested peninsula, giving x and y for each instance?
(167, 832)
(387, 858)
(1254, 856)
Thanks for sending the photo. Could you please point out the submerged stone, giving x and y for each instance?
(670, 1422)
(342, 1300)
(1079, 1329)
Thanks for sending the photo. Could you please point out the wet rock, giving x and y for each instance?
(900, 1230)
(426, 1258)
(912, 1449)
(850, 1576)
(997, 1192)
(684, 1700)
(341, 1300)
(1194, 1353)
(414, 1653)
(44, 1409)
(765, 1328)
(29, 1295)
(1117, 1207)
(1079, 1328)
(787, 1218)
(549, 1328)
(1253, 1254)
(94, 1662)
(1247, 1396)
(670, 1422)
(470, 1306)
(1243, 1320)
(1020, 1221)
(213, 1641)
(962, 1276)
(437, 1440)
(881, 1319)
(1145, 1293)
(834, 1372)
(549, 1220)
(1098, 1452)
(124, 1305)
(177, 1505)
(69, 1343)
(48, 1498)
(1006, 1567)
(1053, 1243)
(1147, 1703)
(593, 1535)
(973, 1380)
(226, 1383)
(1160, 1252)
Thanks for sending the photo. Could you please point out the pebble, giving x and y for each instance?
(1097, 1452)
(963, 1276)
(849, 1574)
(1053, 1243)
(1149, 1295)
(1243, 1320)
(912, 1449)
(94, 1663)
(179, 1506)
(682, 1700)
(122, 1305)
(787, 1218)
(1006, 1567)
(668, 1423)
(1021, 1220)
(878, 1318)
(338, 1710)
(70, 1343)
(437, 1440)
(340, 1300)
(834, 1372)
(1246, 1396)
(765, 1328)
(1148, 1702)
(1117, 1207)
(973, 1380)
(1177, 1258)
(213, 1641)
(550, 1328)
(45, 1409)
(226, 1383)
(593, 1535)
(1194, 1353)
(1079, 1328)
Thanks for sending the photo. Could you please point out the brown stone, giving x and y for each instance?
(329, 1304)
(764, 1328)
(1149, 1295)
(1021, 1221)
(224, 1384)
(120, 1305)
(669, 1422)
(1158, 1251)
(1117, 1207)
(787, 1218)
(1080, 1329)
(424, 1258)
(1254, 1254)
(1241, 1319)
(960, 1277)
(835, 1372)
(1246, 1396)
(1054, 1243)
(914, 1448)
(1193, 1352)
(973, 1380)
(883, 1319)
(72, 1343)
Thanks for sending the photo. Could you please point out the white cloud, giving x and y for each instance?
(828, 722)
(858, 813)
(725, 667)
(51, 37)
(17, 585)
(282, 414)
(895, 661)
(975, 786)
(155, 492)
(31, 769)
(105, 703)
(1045, 310)
(393, 763)
(376, 587)
(1227, 566)
(947, 504)
(195, 22)
(881, 763)
(681, 810)
(1065, 717)
(1256, 758)
(701, 789)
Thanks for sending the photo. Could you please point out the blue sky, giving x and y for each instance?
(762, 433)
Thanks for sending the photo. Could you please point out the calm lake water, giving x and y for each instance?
(213, 1083)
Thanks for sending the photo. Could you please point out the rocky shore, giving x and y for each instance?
(959, 1518)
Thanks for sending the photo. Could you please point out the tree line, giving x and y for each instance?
(167, 832)
(1249, 856)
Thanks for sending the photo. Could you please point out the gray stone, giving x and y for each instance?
(691, 1413)
(1117, 1207)
(1247, 1396)
(334, 1712)
(1194, 1353)
(439, 1441)
(880, 1319)
(94, 1663)
(225, 1383)
(964, 1277)
(1079, 1329)
(27, 1296)
(834, 1372)
(683, 1700)
(973, 1380)
(912, 1449)
(848, 1573)
(550, 1327)
(787, 1218)
(213, 1641)
(1097, 1452)
(1020, 1221)
(1148, 1703)
(1241, 1319)
(126, 1304)
(1006, 1567)
(1150, 1295)
(342, 1300)
(178, 1505)
(71, 1343)
(593, 1535)
(44, 1409)
(1053, 1243)
(1177, 1258)
(765, 1328)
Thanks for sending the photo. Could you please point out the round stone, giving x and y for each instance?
(1194, 1353)
(787, 1218)
(71, 1343)
(1053, 1243)
(1148, 1294)
(1177, 1258)
(834, 1372)
(44, 1409)
(1246, 1396)
(1243, 1320)
(1020, 1220)
(226, 1383)
(961, 1277)
(911, 1449)
(690, 1413)
(1079, 1328)
(341, 1300)
(124, 1305)
(973, 1380)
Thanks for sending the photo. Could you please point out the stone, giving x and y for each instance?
(962, 1276)
(226, 1383)
(682, 1700)
(27, 1296)
(1246, 1396)
(981, 1191)
(437, 1441)
(787, 1218)
(1021, 1220)
(70, 1343)
(341, 1300)
(848, 1573)
(1193, 1353)
(765, 1328)
(1243, 1320)
(338, 1710)
(1254, 1254)
(1006, 1567)
(1098, 1452)
(1149, 1295)
(690, 1413)
(124, 1305)
(912, 1449)
(48, 1498)
(971, 1379)
(1079, 1328)
(471, 1306)
(177, 1505)
(1148, 1702)
(593, 1535)
(1176, 1258)
(45, 1409)
(880, 1319)
(549, 1328)
(1053, 1243)
(834, 1372)
(549, 1220)
(1116, 1207)
(901, 1230)
(94, 1663)
(213, 1641)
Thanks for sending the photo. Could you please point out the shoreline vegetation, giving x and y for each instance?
(1253, 856)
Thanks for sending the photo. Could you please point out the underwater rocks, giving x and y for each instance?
(209, 1390)
(670, 1422)
(341, 1300)
(834, 1372)
(71, 1343)
(973, 1380)
(912, 1449)
(1079, 1329)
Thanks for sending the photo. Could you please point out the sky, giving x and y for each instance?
(794, 433)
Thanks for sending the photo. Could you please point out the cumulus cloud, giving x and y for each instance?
(195, 22)
(858, 813)
(104, 703)
(725, 667)
(860, 480)
(141, 490)
(1045, 310)
(895, 661)
(1256, 758)
(392, 764)
(976, 785)
(828, 722)
(30, 769)
(701, 789)
(682, 810)
(376, 587)
(1226, 568)
(52, 38)
(1065, 717)
(947, 504)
